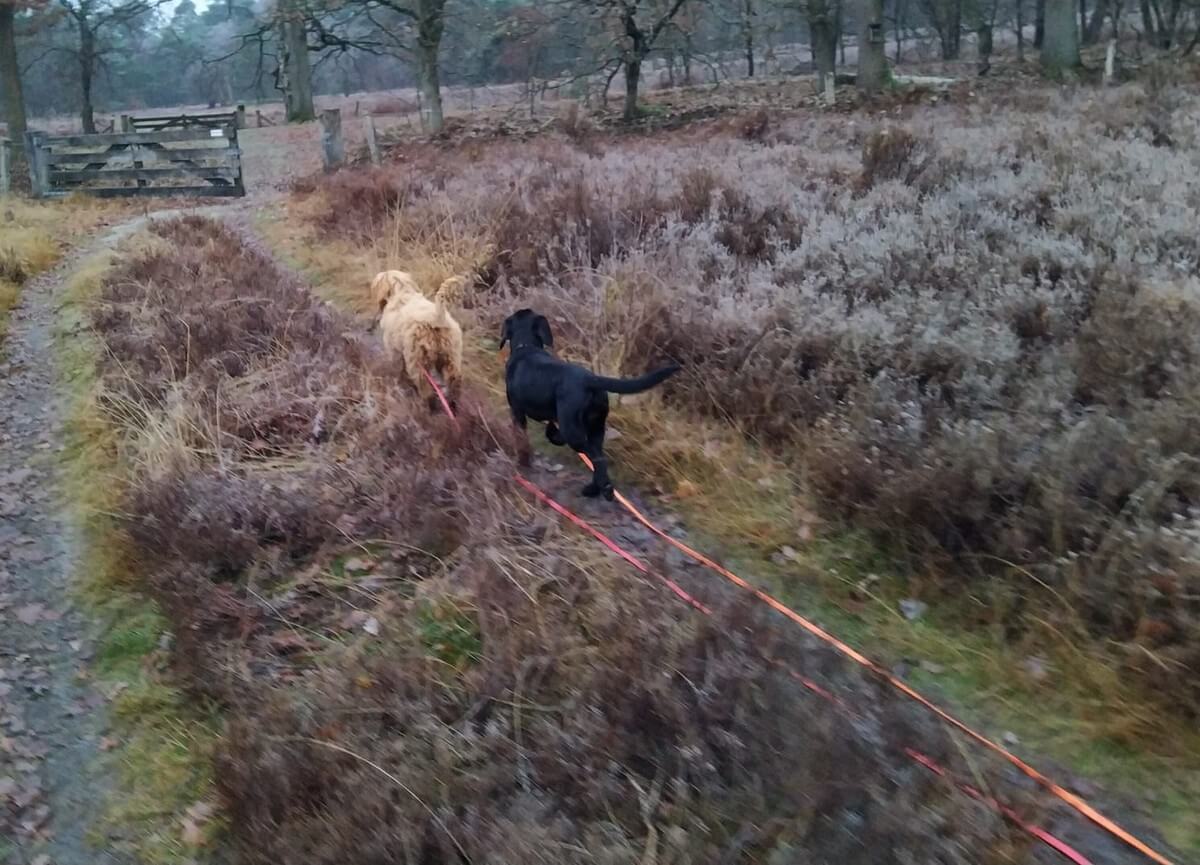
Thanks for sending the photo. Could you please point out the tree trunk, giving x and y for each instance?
(748, 35)
(1172, 24)
(10, 74)
(952, 31)
(1148, 22)
(1060, 43)
(1020, 31)
(1091, 35)
(635, 51)
(87, 69)
(1039, 23)
(872, 59)
(900, 10)
(984, 45)
(633, 75)
(1082, 17)
(838, 29)
(822, 36)
(296, 77)
(431, 23)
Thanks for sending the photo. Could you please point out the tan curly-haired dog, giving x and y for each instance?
(419, 333)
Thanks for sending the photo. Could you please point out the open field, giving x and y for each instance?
(941, 355)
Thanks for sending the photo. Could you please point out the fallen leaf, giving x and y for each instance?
(108, 743)
(371, 626)
(913, 609)
(30, 614)
(193, 833)
(686, 490)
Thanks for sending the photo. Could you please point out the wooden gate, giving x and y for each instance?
(199, 161)
(159, 122)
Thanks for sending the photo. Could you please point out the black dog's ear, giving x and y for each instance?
(541, 328)
(506, 332)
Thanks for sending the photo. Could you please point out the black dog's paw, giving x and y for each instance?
(554, 436)
(594, 489)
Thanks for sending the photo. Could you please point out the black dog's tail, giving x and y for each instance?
(633, 385)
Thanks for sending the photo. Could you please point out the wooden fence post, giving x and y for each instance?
(5, 165)
(830, 95)
(331, 138)
(241, 116)
(39, 169)
(1110, 62)
(372, 141)
(126, 123)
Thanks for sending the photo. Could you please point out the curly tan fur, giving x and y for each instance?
(419, 333)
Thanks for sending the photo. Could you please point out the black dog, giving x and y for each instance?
(572, 400)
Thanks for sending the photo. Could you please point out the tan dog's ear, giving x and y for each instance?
(381, 289)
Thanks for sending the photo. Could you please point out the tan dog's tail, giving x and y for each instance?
(449, 292)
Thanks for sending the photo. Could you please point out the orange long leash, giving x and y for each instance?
(1076, 802)
(1035, 831)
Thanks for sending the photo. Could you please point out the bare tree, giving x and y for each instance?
(945, 17)
(638, 24)
(10, 72)
(94, 21)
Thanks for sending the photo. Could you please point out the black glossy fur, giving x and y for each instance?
(573, 401)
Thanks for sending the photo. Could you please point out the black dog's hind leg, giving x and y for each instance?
(601, 484)
(553, 435)
(520, 429)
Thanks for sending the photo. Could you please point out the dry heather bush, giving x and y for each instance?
(518, 700)
(890, 153)
(986, 352)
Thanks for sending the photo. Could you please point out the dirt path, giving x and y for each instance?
(53, 724)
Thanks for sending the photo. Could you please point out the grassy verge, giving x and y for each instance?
(33, 236)
(1065, 704)
(162, 744)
